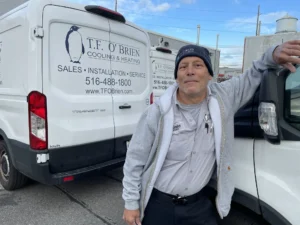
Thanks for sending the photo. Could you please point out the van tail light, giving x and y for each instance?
(151, 98)
(37, 112)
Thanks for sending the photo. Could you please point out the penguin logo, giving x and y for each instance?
(74, 45)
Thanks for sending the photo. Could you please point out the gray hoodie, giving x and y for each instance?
(150, 142)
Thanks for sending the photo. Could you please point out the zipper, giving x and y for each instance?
(222, 147)
(154, 163)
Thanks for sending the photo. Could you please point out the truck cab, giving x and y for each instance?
(267, 154)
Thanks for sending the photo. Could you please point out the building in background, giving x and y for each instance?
(226, 73)
(254, 47)
(7, 5)
(157, 39)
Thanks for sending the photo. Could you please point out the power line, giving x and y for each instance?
(194, 29)
(182, 18)
(212, 10)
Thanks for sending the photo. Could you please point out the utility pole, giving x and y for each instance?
(259, 26)
(116, 5)
(198, 34)
(217, 45)
(257, 22)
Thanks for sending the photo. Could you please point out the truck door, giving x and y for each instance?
(277, 166)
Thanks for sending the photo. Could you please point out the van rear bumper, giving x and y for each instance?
(25, 161)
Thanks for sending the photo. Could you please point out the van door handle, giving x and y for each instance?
(124, 106)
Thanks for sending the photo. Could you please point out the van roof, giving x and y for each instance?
(19, 4)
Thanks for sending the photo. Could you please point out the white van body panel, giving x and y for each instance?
(278, 177)
(77, 116)
(19, 60)
(244, 173)
(133, 83)
(163, 66)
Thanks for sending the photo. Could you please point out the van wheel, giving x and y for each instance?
(10, 178)
(239, 215)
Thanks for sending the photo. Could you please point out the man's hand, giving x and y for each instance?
(132, 217)
(283, 54)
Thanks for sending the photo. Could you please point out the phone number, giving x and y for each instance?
(163, 82)
(107, 81)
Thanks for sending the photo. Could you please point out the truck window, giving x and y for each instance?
(292, 99)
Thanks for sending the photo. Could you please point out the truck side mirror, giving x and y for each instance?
(268, 110)
(272, 103)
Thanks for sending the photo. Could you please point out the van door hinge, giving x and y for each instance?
(38, 32)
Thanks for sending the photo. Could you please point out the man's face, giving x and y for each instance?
(192, 76)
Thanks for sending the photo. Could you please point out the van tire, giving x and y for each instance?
(10, 177)
(239, 215)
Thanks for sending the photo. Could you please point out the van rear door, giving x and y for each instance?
(76, 61)
(163, 65)
(131, 79)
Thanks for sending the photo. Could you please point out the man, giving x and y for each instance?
(186, 137)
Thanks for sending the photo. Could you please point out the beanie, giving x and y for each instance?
(193, 50)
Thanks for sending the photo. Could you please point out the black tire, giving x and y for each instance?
(239, 215)
(10, 178)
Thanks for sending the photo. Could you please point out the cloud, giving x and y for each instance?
(237, 1)
(188, 1)
(248, 24)
(179, 30)
(232, 56)
(131, 9)
(158, 8)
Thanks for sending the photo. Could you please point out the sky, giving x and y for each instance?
(233, 20)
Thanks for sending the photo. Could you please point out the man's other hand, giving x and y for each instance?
(287, 54)
(132, 217)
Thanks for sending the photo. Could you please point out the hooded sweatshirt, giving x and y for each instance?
(151, 140)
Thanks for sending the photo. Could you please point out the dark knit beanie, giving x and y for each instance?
(193, 50)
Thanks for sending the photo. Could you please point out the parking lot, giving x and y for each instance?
(96, 199)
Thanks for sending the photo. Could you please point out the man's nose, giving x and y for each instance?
(190, 70)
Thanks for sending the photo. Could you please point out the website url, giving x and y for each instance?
(108, 91)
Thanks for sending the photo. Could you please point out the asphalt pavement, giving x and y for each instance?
(96, 199)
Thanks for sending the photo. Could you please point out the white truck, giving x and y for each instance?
(163, 66)
(73, 81)
(267, 154)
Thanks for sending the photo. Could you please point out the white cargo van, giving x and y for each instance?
(163, 66)
(73, 81)
(267, 154)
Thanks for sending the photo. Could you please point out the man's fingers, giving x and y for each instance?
(138, 221)
(292, 52)
(130, 221)
(295, 47)
(294, 60)
(294, 42)
(290, 67)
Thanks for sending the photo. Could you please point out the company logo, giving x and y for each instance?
(176, 127)
(74, 44)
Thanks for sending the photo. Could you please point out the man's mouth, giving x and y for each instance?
(190, 81)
